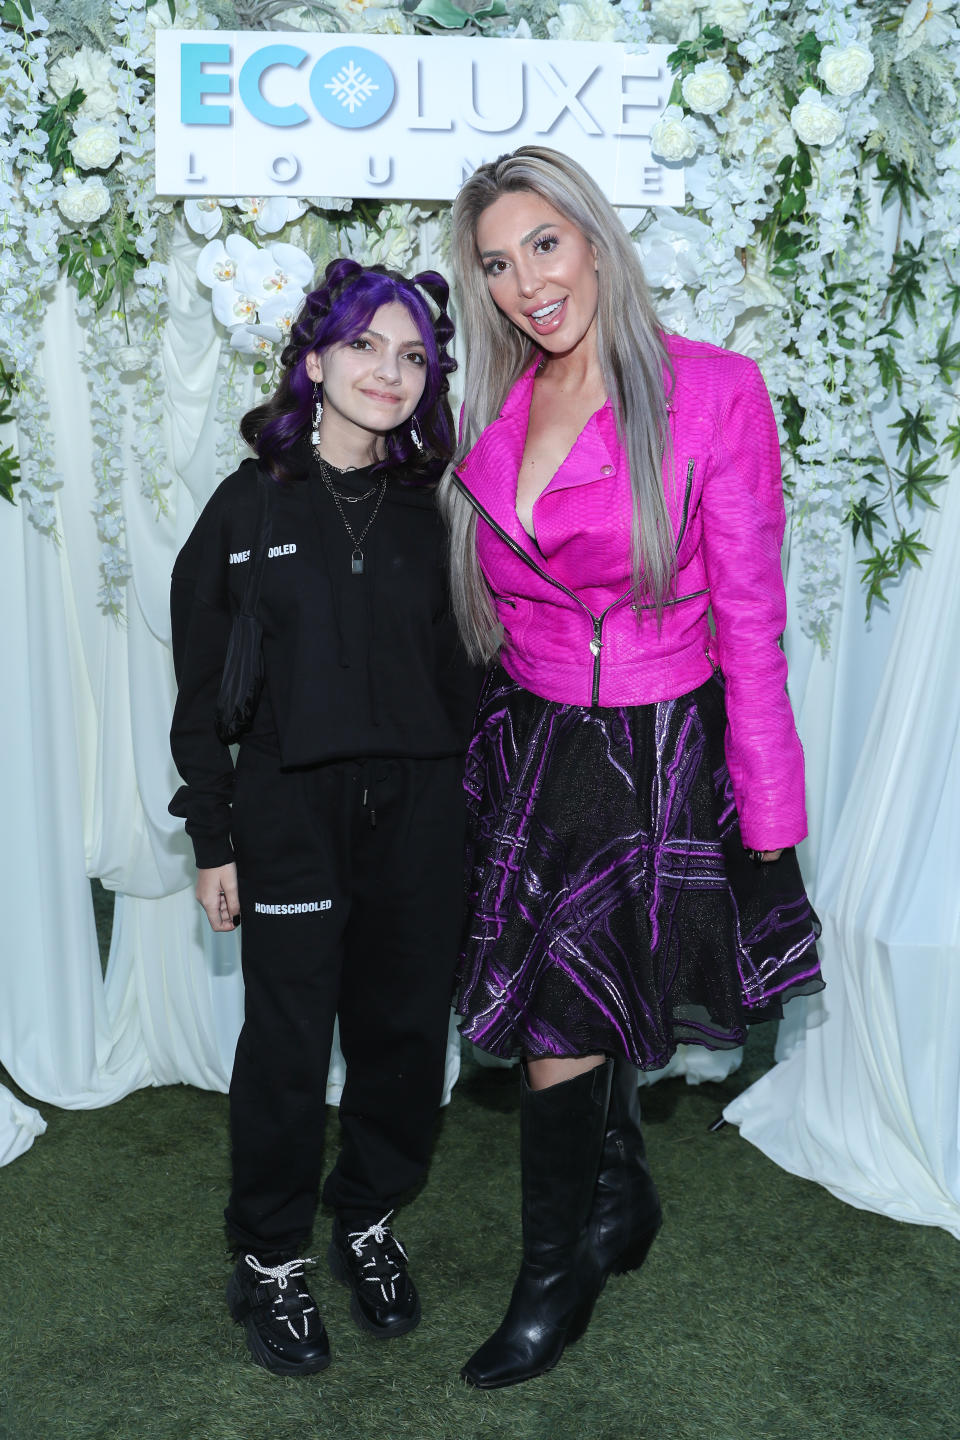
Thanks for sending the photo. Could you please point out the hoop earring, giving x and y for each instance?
(415, 434)
(317, 414)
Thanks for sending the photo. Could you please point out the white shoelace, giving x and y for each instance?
(380, 1232)
(281, 1275)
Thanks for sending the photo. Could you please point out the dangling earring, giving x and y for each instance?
(317, 414)
(415, 434)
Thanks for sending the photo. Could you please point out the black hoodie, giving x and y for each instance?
(356, 666)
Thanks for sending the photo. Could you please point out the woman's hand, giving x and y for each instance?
(218, 894)
(762, 857)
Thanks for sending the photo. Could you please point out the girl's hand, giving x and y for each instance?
(218, 894)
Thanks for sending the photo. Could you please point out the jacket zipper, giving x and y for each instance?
(596, 642)
(691, 463)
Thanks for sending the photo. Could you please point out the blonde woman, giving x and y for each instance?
(635, 781)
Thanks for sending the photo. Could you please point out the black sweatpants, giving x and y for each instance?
(351, 901)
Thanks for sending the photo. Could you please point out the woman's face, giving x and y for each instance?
(541, 271)
(372, 383)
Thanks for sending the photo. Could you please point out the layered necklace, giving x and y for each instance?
(356, 555)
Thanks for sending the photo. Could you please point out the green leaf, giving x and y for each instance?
(808, 49)
(878, 569)
(917, 481)
(914, 428)
(905, 286)
(863, 515)
(952, 438)
(907, 549)
(947, 357)
(9, 474)
(889, 366)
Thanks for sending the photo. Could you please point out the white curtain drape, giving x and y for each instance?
(866, 1097)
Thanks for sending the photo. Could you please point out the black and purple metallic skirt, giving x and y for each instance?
(611, 904)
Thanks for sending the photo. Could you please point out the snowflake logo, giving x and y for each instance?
(351, 86)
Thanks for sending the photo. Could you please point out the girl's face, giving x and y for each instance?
(373, 383)
(541, 271)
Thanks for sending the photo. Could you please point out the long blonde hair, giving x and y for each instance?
(632, 357)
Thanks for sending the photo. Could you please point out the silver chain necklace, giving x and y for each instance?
(356, 556)
(342, 470)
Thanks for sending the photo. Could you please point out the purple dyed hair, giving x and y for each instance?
(334, 314)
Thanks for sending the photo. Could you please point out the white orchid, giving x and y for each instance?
(257, 290)
(926, 22)
(203, 216)
(268, 214)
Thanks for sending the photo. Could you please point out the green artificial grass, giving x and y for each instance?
(767, 1310)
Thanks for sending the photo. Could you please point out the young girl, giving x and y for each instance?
(337, 837)
(635, 781)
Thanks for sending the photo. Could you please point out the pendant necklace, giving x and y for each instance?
(356, 557)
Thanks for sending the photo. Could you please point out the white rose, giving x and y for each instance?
(95, 147)
(90, 69)
(584, 20)
(672, 137)
(845, 69)
(815, 122)
(730, 15)
(709, 88)
(680, 18)
(84, 200)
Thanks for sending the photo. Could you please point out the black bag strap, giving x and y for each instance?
(261, 544)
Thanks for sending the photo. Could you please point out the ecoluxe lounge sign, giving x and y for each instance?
(269, 113)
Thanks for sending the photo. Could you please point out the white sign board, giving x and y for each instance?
(379, 116)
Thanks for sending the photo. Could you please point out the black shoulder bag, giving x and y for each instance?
(242, 678)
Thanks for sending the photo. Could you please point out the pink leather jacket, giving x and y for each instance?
(571, 631)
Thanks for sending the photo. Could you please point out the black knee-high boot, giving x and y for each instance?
(561, 1136)
(626, 1212)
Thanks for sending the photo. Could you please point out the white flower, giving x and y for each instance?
(926, 22)
(678, 17)
(130, 357)
(760, 127)
(95, 146)
(249, 341)
(268, 214)
(730, 15)
(815, 122)
(671, 250)
(845, 70)
(90, 69)
(83, 200)
(203, 216)
(709, 88)
(672, 137)
(583, 20)
(252, 286)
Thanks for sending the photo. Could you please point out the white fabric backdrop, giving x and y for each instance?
(866, 1098)
(88, 790)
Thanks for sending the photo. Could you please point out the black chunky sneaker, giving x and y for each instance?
(374, 1265)
(284, 1330)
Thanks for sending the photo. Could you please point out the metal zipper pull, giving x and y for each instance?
(596, 644)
